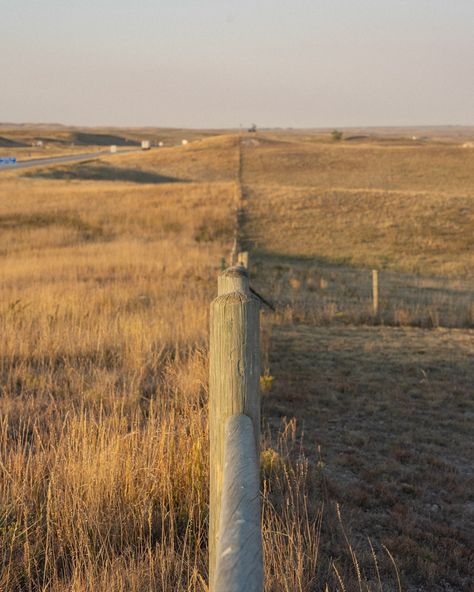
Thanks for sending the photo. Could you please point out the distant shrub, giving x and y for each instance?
(336, 135)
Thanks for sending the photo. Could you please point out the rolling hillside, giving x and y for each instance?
(107, 271)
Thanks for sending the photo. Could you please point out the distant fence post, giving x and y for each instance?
(243, 259)
(375, 292)
(234, 375)
(235, 251)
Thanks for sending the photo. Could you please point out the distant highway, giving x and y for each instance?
(23, 164)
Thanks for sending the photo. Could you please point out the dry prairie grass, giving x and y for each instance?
(207, 160)
(334, 166)
(104, 296)
(314, 292)
(423, 233)
(203, 160)
(320, 216)
(104, 293)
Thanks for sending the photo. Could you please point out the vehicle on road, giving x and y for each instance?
(7, 160)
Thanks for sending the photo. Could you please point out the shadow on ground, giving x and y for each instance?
(102, 139)
(391, 410)
(8, 143)
(318, 290)
(103, 172)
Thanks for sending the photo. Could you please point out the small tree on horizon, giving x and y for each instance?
(336, 135)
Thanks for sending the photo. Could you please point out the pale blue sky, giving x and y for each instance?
(222, 63)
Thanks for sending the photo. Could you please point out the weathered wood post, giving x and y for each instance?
(243, 259)
(234, 375)
(240, 545)
(234, 252)
(375, 292)
(233, 279)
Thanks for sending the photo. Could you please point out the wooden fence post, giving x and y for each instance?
(233, 279)
(234, 376)
(234, 252)
(375, 291)
(239, 566)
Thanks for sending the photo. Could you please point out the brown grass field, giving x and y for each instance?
(108, 269)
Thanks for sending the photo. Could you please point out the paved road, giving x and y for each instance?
(23, 164)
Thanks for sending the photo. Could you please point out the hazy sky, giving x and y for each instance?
(221, 63)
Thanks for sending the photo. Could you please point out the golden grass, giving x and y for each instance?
(424, 233)
(334, 166)
(105, 289)
(104, 297)
(207, 160)
(319, 216)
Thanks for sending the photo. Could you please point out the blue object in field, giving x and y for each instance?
(7, 160)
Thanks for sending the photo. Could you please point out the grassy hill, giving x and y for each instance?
(22, 140)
